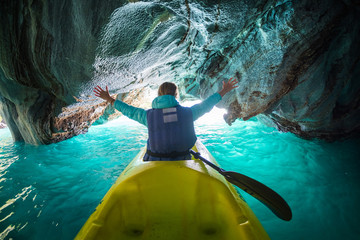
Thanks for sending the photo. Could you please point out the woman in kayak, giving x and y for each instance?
(170, 125)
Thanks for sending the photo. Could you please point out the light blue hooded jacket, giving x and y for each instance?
(166, 101)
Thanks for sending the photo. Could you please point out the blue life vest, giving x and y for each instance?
(171, 133)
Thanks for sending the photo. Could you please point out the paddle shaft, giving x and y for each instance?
(198, 156)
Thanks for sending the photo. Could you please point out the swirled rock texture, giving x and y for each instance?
(297, 62)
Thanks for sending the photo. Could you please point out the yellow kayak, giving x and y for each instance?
(170, 200)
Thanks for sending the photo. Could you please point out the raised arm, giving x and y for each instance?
(205, 106)
(134, 113)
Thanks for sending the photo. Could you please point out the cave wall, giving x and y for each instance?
(297, 61)
(47, 50)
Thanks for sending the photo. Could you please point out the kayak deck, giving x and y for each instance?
(172, 200)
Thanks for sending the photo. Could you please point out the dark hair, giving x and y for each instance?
(167, 88)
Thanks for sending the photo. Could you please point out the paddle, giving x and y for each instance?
(256, 189)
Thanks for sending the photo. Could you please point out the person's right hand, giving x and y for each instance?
(104, 94)
(228, 86)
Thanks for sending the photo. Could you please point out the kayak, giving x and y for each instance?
(172, 200)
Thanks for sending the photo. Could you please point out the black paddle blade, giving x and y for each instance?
(261, 192)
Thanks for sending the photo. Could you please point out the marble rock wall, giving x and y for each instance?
(297, 62)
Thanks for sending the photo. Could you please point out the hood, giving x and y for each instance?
(165, 101)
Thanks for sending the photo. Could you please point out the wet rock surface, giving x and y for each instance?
(297, 61)
(2, 123)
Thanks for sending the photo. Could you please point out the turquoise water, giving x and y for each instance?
(48, 192)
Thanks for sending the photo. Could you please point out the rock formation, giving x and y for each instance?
(297, 61)
(2, 123)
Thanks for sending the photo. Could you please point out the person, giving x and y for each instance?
(170, 125)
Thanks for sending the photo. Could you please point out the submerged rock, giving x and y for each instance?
(297, 61)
